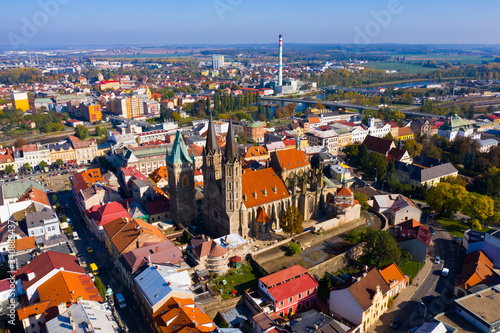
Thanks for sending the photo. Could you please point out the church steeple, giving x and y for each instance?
(211, 145)
(231, 151)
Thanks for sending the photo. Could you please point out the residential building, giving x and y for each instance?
(32, 317)
(152, 136)
(344, 137)
(290, 290)
(256, 153)
(488, 242)
(160, 177)
(158, 209)
(397, 208)
(81, 316)
(481, 309)
(378, 129)
(157, 284)
(43, 225)
(20, 100)
(405, 133)
(11, 192)
(88, 189)
(99, 215)
(359, 133)
(64, 152)
(41, 268)
(313, 321)
(7, 159)
(123, 235)
(30, 154)
(128, 107)
(328, 139)
(254, 131)
(363, 302)
(182, 315)
(394, 129)
(145, 159)
(486, 145)
(379, 145)
(217, 61)
(414, 238)
(85, 151)
(418, 176)
(477, 269)
(395, 279)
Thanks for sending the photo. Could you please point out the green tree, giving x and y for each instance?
(64, 218)
(54, 198)
(9, 169)
(479, 206)
(100, 286)
(476, 225)
(43, 165)
(381, 247)
(81, 132)
(446, 199)
(413, 148)
(291, 223)
(27, 166)
(363, 200)
(176, 116)
(294, 248)
(377, 166)
(59, 162)
(363, 157)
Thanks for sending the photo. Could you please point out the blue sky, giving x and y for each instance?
(160, 22)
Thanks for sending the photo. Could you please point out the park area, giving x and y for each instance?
(235, 282)
(457, 227)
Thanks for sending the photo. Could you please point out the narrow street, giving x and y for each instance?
(131, 315)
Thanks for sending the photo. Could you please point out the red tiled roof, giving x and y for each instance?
(35, 195)
(258, 187)
(157, 206)
(25, 243)
(31, 310)
(256, 151)
(291, 288)
(314, 120)
(4, 285)
(291, 158)
(476, 269)
(107, 213)
(344, 192)
(283, 276)
(262, 216)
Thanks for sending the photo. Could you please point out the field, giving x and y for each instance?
(404, 68)
(466, 59)
(457, 228)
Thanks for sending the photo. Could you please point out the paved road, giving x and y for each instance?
(412, 312)
(131, 315)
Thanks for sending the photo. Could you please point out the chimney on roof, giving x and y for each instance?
(31, 274)
(61, 307)
(149, 260)
(156, 249)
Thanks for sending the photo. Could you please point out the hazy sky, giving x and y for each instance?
(159, 22)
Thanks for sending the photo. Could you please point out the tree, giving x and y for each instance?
(363, 200)
(319, 105)
(20, 142)
(81, 132)
(54, 198)
(100, 286)
(381, 247)
(377, 166)
(291, 223)
(446, 199)
(64, 218)
(479, 207)
(43, 165)
(9, 169)
(413, 148)
(176, 116)
(363, 156)
(100, 131)
(295, 248)
(476, 225)
(59, 162)
(27, 166)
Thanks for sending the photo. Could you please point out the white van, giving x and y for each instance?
(121, 301)
(445, 272)
(75, 236)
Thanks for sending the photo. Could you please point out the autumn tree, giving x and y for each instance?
(413, 148)
(20, 142)
(81, 132)
(446, 199)
(291, 223)
(480, 207)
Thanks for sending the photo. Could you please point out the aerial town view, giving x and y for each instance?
(235, 166)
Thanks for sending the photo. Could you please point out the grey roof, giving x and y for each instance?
(487, 142)
(84, 313)
(36, 219)
(237, 315)
(18, 188)
(309, 320)
(439, 171)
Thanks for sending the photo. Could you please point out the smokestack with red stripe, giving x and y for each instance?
(280, 65)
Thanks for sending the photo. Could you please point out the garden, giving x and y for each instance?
(235, 282)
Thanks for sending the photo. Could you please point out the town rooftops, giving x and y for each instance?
(16, 189)
(36, 195)
(32, 310)
(483, 304)
(476, 269)
(299, 284)
(391, 274)
(291, 159)
(262, 186)
(438, 171)
(157, 253)
(364, 289)
(283, 276)
(378, 145)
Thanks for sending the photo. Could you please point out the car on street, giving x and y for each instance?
(395, 322)
(437, 260)
(90, 249)
(445, 271)
(413, 329)
(79, 255)
(431, 229)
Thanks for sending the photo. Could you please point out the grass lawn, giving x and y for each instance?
(239, 279)
(410, 268)
(457, 228)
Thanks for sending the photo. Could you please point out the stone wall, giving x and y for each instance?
(213, 307)
(337, 263)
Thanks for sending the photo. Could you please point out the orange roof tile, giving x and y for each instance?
(158, 174)
(405, 131)
(256, 152)
(314, 120)
(262, 186)
(291, 158)
(25, 243)
(392, 273)
(182, 315)
(262, 216)
(344, 192)
(34, 309)
(36, 195)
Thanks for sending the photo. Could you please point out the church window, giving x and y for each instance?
(236, 184)
(185, 181)
(229, 172)
(229, 185)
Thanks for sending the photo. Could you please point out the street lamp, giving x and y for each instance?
(425, 310)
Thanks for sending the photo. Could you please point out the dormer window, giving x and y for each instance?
(255, 194)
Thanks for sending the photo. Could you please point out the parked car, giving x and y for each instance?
(431, 229)
(90, 249)
(395, 322)
(445, 271)
(413, 329)
(437, 260)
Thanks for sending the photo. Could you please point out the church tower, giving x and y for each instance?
(212, 173)
(232, 187)
(180, 167)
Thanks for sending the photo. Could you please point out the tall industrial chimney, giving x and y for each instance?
(280, 65)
